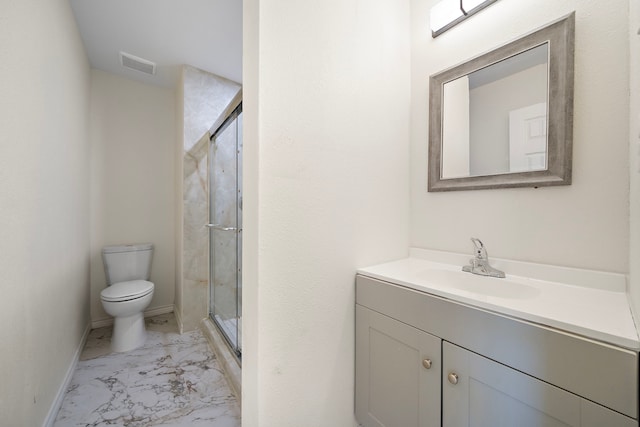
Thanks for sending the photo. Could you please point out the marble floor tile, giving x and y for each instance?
(172, 380)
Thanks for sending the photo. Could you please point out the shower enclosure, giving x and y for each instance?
(225, 228)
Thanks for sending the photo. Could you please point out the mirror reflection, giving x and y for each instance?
(494, 120)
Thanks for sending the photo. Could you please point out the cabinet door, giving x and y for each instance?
(398, 370)
(479, 392)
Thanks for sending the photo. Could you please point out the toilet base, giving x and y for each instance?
(129, 333)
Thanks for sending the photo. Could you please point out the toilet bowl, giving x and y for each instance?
(128, 292)
(126, 302)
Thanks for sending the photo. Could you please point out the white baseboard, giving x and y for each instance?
(57, 402)
(155, 311)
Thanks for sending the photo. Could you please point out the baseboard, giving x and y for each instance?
(164, 309)
(57, 402)
(634, 310)
(156, 311)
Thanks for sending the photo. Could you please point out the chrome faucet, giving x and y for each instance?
(479, 264)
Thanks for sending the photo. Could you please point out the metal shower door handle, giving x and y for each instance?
(221, 227)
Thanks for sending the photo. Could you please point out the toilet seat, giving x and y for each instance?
(126, 291)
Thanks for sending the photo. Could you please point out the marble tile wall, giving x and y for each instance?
(205, 96)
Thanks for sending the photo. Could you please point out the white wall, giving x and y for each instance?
(132, 131)
(583, 225)
(634, 157)
(251, 346)
(44, 204)
(326, 146)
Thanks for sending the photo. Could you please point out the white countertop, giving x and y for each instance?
(588, 303)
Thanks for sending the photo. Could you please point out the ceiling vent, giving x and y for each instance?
(134, 63)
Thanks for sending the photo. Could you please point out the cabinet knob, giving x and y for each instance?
(426, 363)
(453, 378)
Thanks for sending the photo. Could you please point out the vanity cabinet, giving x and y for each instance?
(484, 369)
(491, 394)
(398, 371)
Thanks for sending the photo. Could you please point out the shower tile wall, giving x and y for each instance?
(205, 98)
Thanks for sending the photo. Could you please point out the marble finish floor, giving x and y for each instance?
(172, 380)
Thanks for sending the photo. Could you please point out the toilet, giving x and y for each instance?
(128, 292)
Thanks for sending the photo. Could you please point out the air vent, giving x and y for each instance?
(138, 64)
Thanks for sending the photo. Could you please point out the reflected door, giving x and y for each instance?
(225, 229)
(528, 138)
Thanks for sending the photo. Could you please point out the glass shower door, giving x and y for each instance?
(225, 229)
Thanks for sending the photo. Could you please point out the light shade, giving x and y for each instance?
(470, 5)
(448, 13)
(444, 13)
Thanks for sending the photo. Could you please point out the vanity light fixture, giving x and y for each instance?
(448, 13)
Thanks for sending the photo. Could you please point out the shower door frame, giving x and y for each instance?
(234, 111)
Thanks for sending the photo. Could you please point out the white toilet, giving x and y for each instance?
(128, 292)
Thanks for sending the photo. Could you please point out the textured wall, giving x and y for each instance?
(205, 96)
(132, 179)
(326, 191)
(583, 225)
(44, 205)
(251, 349)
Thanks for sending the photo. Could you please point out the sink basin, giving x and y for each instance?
(479, 285)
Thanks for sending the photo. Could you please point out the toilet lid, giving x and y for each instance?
(124, 291)
(113, 249)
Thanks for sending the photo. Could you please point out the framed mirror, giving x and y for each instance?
(505, 118)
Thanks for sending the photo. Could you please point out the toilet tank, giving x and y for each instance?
(127, 262)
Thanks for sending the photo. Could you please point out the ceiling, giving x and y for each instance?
(206, 34)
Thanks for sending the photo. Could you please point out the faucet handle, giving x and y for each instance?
(480, 252)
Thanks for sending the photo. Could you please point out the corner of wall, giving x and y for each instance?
(179, 195)
(634, 161)
(250, 390)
